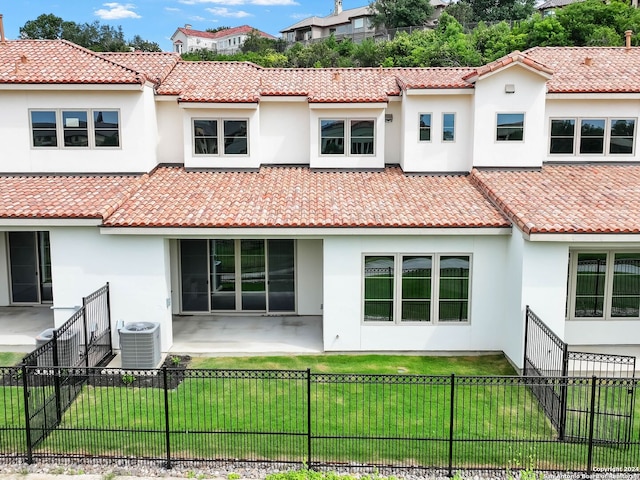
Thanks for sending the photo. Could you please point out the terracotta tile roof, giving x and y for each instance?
(513, 57)
(567, 198)
(58, 62)
(422, 78)
(609, 70)
(155, 65)
(213, 82)
(331, 85)
(300, 197)
(61, 197)
(243, 29)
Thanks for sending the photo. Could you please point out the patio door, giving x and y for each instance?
(224, 275)
(30, 267)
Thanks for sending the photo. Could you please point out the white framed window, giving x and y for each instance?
(604, 285)
(58, 128)
(213, 136)
(347, 137)
(510, 127)
(448, 127)
(592, 136)
(416, 288)
(424, 127)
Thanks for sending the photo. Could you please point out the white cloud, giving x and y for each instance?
(234, 3)
(225, 12)
(116, 11)
(171, 9)
(197, 18)
(300, 16)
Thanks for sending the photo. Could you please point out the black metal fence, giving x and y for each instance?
(441, 423)
(83, 340)
(547, 356)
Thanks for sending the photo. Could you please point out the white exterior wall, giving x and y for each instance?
(171, 140)
(4, 271)
(393, 146)
(83, 260)
(138, 132)
(491, 99)
(588, 107)
(248, 112)
(309, 277)
(284, 136)
(327, 111)
(344, 330)
(436, 155)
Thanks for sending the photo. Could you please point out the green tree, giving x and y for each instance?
(46, 27)
(498, 10)
(461, 11)
(141, 45)
(581, 20)
(543, 32)
(495, 41)
(400, 13)
(256, 43)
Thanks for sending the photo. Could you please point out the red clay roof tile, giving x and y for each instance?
(300, 197)
(155, 65)
(59, 62)
(64, 196)
(567, 198)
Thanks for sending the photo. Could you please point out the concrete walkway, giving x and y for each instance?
(19, 326)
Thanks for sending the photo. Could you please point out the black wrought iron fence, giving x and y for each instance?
(442, 423)
(567, 408)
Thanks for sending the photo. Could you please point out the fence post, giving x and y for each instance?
(451, 423)
(564, 391)
(109, 317)
(309, 418)
(56, 377)
(86, 331)
(526, 340)
(592, 416)
(166, 418)
(27, 424)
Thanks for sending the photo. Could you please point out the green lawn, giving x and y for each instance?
(10, 358)
(367, 364)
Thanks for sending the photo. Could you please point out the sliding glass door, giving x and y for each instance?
(239, 275)
(30, 267)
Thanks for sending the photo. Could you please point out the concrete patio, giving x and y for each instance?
(19, 326)
(241, 335)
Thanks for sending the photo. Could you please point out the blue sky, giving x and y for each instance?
(157, 20)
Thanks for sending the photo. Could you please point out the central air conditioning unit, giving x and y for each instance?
(140, 345)
(68, 348)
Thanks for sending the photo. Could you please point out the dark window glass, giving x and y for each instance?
(510, 127)
(107, 128)
(590, 288)
(562, 136)
(448, 127)
(592, 136)
(416, 289)
(332, 137)
(235, 137)
(622, 136)
(625, 300)
(454, 288)
(74, 125)
(378, 288)
(205, 137)
(425, 127)
(44, 127)
(362, 138)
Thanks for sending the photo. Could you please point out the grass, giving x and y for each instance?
(10, 358)
(366, 364)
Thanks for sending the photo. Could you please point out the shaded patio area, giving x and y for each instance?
(20, 325)
(239, 335)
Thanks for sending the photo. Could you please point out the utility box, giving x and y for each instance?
(140, 345)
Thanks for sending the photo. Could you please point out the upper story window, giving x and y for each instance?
(75, 128)
(510, 127)
(592, 136)
(417, 288)
(359, 135)
(358, 23)
(448, 127)
(604, 285)
(220, 137)
(425, 127)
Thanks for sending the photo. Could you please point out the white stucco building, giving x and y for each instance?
(408, 209)
(225, 42)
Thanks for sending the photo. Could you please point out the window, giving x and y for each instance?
(233, 133)
(448, 127)
(510, 127)
(416, 288)
(358, 134)
(595, 136)
(604, 285)
(425, 127)
(358, 23)
(75, 128)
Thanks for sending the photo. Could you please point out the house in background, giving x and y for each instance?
(404, 209)
(225, 42)
(353, 23)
